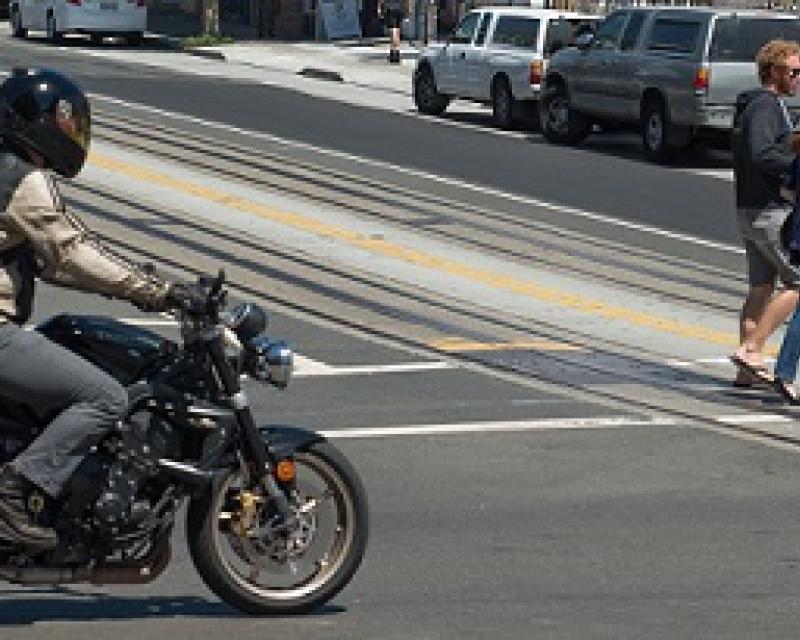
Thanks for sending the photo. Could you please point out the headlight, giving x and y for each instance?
(270, 361)
(247, 320)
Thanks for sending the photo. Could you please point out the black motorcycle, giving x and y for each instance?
(277, 517)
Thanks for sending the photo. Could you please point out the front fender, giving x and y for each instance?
(284, 440)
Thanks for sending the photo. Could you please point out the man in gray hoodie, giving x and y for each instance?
(763, 151)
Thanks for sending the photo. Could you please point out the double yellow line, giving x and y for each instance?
(418, 258)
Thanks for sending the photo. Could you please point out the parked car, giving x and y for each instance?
(671, 73)
(98, 18)
(496, 55)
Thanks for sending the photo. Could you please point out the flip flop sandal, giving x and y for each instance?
(759, 372)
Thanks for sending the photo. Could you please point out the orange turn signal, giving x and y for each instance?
(285, 471)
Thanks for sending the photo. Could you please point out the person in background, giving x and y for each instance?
(393, 12)
(787, 362)
(763, 151)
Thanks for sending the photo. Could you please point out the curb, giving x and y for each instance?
(321, 74)
(203, 53)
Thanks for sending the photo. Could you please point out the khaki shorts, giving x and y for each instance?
(767, 256)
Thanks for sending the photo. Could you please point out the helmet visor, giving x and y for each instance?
(74, 123)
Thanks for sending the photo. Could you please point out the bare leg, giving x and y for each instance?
(775, 313)
(394, 45)
(754, 305)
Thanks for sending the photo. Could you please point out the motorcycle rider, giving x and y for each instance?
(45, 128)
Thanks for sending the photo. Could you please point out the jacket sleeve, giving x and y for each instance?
(769, 140)
(67, 253)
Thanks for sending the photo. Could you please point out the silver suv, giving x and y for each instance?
(497, 55)
(671, 73)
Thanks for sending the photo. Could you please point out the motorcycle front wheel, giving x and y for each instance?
(261, 570)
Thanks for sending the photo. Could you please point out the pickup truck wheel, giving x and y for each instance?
(428, 100)
(17, 31)
(135, 39)
(503, 104)
(560, 123)
(654, 133)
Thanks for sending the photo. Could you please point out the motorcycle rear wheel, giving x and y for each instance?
(264, 576)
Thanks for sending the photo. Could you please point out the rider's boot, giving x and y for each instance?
(17, 527)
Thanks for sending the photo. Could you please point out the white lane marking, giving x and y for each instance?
(719, 361)
(452, 182)
(498, 427)
(546, 425)
(306, 367)
(754, 418)
(719, 174)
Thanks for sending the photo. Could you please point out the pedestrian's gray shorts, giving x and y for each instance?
(766, 255)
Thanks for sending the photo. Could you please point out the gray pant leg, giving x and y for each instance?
(88, 403)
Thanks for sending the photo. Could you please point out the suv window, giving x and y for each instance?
(632, 31)
(513, 31)
(739, 39)
(466, 29)
(672, 34)
(609, 32)
(480, 39)
(561, 32)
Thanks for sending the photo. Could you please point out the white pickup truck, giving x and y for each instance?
(498, 56)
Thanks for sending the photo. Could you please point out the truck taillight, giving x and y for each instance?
(536, 72)
(701, 80)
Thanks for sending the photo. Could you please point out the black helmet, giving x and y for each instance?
(48, 113)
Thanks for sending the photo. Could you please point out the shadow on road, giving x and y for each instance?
(626, 146)
(81, 607)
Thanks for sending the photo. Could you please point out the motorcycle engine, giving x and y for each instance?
(121, 506)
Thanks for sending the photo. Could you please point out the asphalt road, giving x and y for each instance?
(577, 530)
(603, 177)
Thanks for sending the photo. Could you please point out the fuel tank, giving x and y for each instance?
(126, 352)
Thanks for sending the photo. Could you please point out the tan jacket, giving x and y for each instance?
(66, 254)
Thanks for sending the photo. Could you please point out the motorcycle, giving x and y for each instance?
(277, 518)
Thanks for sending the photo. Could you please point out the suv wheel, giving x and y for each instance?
(17, 30)
(654, 132)
(503, 104)
(428, 100)
(560, 123)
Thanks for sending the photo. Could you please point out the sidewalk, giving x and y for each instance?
(360, 63)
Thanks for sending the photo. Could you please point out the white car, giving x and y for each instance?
(498, 56)
(98, 18)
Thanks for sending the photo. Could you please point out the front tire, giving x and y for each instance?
(654, 133)
(426, 97)
(503, 104)
(559, 122)
(330, 507)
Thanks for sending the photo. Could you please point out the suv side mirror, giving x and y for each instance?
(584, 41)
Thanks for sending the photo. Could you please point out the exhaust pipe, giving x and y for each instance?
(152, 567)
